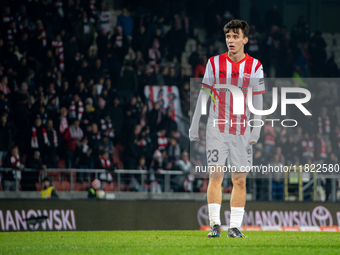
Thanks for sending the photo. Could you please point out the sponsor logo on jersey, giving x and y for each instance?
(235, 74)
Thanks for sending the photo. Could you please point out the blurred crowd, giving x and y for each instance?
(73, 73)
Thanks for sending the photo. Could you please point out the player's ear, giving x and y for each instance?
(245, 40)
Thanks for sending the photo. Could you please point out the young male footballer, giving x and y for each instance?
(229, 136)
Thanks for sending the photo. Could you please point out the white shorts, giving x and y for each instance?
(234, 148)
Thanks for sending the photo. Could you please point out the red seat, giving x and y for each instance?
(108, 187)
(204, 187)
(66, 186)
(57, 185)
(54, 176)
(77, 186)
(115, 186)
(86, 185)
(38, 186)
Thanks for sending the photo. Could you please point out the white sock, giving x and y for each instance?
(236, 217)
(214, 214)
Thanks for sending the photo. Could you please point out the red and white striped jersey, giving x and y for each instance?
(244, 74)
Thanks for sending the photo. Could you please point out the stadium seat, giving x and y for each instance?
(115, 186)
(116, 161)
(86, 185)
(77, 186)
(65, 185)
(54, 176)
(204, 187)
(57, 185)
(108, 187)
(38, 186)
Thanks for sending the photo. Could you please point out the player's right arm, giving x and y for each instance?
(209, 80)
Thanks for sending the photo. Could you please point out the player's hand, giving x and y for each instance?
(254, 137)
(193, 136)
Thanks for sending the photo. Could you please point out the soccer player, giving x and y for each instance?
(228, 136)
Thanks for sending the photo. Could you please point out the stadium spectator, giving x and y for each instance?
(10, 177)
(277, 179)
(83, 155)
(156, 180)
(84, 32)
(128, 83)
(253, 43)
(318, 54)
(320, 149)
(173, 150)
(307, 148)
(195, 57)
(269, 140)
(48, 191)
(200, 67)
(106, 144)
(126, 22)
(105, 17)
(176, 39)
(273, 17)
(50, 154)
(160, 141)
(92, 191)
(4, 105)
(184, 182)
(169, 122)
(76, 108)
(4, 86)
(7, 132)
(290, 150)
(103, 162)
(38, 136)
(72, 136)
(30, 178)
(332, 161)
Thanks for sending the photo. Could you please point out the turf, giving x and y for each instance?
(168, 242)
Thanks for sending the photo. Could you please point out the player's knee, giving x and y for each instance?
(215, 182)
(239, 182)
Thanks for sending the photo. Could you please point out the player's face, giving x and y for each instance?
(235, 41)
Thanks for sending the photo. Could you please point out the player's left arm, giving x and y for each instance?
(258, 90)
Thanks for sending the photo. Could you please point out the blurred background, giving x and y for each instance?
(95, 95)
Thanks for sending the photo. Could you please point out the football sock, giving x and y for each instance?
(236, 217)
(214, 214)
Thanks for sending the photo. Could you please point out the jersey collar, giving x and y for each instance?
(236, 63)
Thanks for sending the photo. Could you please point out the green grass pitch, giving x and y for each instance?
(168, 242)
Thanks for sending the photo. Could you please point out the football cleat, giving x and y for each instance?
(215, 231)
(235, 233)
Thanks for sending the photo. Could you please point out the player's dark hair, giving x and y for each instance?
(236, 24)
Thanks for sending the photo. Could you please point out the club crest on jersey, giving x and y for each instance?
(246, 75)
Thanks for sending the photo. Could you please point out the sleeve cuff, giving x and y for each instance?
(258, 92)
